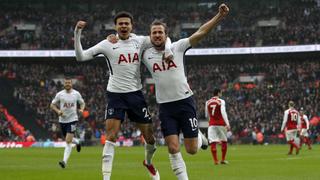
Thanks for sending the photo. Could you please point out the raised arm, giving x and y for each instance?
(208, 26)
(82, 55)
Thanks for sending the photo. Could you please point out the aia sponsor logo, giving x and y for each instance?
(68, 105)
(129, 58)
(163, 66)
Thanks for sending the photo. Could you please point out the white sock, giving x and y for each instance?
(199, 140)
(178, 166)
(75, 141)
(149, 150)
(107, 159)
(67, 152)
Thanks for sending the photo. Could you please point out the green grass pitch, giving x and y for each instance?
(247, 162)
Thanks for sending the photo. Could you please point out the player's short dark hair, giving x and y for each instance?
(291, 104)
(216, 91)
(159, 23)
(67, 78)
(123, 14)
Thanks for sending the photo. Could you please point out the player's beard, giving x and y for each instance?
(159, 46)
(67, 87)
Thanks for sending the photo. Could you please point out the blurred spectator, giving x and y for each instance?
(260, 105)
(262, 23)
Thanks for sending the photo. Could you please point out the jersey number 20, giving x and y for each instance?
(146, 112)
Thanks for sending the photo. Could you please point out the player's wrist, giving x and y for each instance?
(59, 112)
(220, 16)
(77, 30)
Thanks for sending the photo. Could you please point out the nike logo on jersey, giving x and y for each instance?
(115, 48)
(150, 57)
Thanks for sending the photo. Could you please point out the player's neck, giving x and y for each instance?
(124, 38)
(68, 90)
(159, 48)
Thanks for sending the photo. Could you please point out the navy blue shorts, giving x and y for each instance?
(132, 103)
(179, 116)
(68, 127)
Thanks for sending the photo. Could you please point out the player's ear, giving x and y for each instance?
(131, 26)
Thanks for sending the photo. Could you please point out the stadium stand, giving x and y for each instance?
(50, 24)
(258, 103)
(256, 91)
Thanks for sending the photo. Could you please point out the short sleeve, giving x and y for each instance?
(56, 99)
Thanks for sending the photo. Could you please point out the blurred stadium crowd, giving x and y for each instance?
(50, 25)
(251, 106)
(257, 105)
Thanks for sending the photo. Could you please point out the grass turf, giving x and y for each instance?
(247, 162)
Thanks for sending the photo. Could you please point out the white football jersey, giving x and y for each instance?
(68, 105)
(122, 58)
(170, 79)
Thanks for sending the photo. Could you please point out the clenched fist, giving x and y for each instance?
(81, 24)
(223, 9)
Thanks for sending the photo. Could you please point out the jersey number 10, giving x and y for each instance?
(294, 117)
(194, 123)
